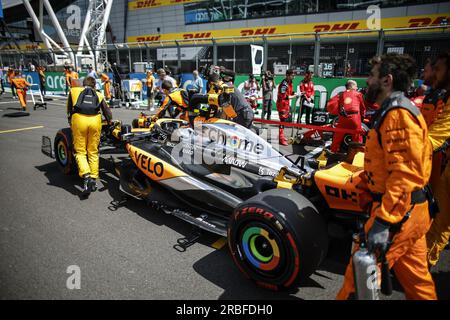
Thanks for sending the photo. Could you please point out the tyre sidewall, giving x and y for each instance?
(65, 136)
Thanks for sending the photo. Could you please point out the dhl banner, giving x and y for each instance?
(352, 25)
(146, 4)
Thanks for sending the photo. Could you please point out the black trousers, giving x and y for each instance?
(267, 108)
(42, 88)
(304, 110)
(13, 90)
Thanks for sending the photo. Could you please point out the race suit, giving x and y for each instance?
(307, 91)
(21, 86)
(350, 110)
(439, 134)
(83, 108)
(397, 166)
(284, 106)
(175, 103)
(106, 85)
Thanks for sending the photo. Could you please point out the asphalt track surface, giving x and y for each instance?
(125, 253)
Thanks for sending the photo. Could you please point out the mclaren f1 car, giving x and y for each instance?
(223, 178)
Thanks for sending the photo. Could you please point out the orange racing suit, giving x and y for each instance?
(397, 166)
(177, 99)
(106, 85)
(21, 86)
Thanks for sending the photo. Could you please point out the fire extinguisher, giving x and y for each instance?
(366, 270)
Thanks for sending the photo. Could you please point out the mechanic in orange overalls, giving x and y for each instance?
(439, 134)
(350, 109)
(9, 77)
(106, 85)
(397, 166)
(21, 86)
(176, 102)
(285, 94)
(70, 76)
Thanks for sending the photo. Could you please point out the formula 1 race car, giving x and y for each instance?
(223, 178)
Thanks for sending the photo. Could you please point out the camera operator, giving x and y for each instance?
(267, 85)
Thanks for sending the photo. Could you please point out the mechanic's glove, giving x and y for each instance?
(378, 237)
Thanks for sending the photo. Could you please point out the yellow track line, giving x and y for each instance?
(23, 129)
(219, 244)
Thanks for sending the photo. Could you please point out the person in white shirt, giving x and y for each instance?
(251, 89)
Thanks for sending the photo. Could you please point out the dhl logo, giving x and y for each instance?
(147, 4)
(148, 38)
(257, 32)
(198, 35)
(135, 5)
(427, 22)
(336, 27)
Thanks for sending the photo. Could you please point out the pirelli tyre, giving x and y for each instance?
(64, 155)
(277, 238)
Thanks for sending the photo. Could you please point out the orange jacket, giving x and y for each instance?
(399, 165)
(70, 75)
(20, 83)
(104, 77)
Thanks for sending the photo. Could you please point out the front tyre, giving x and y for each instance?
(277, 238)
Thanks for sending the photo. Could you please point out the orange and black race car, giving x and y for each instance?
(223, 178)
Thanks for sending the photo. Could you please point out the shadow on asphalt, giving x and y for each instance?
(58, 179)
(217, 267)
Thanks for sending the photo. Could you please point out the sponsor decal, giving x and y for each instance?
(262, 171)
(145, 163)
(257, 32)
(220, 137)
(341, 193)
(386, 23)
(336, 27)
(197, 35)
(146, 4)
(235, 162)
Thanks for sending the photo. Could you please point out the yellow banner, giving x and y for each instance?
(352, 25)
(145, 4)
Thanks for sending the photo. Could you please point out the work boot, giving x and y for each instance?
(92, 184)
(282, 138)
(86, 185)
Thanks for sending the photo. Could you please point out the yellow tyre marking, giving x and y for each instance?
(219, 244)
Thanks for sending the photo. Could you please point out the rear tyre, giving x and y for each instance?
(277, 238)
(64, 154)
